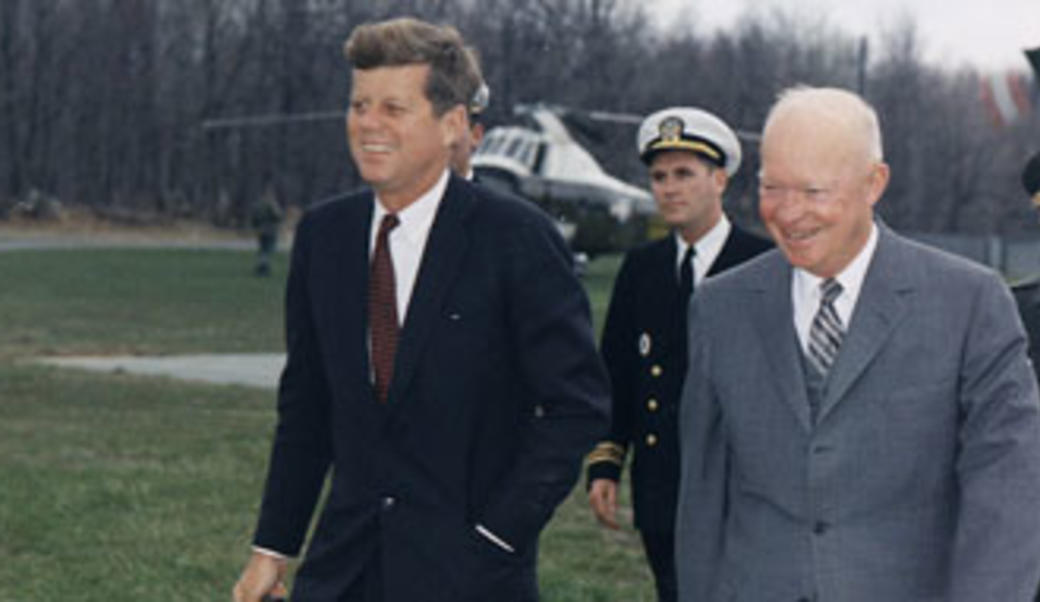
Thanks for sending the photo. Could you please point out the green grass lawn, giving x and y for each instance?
(122, 488)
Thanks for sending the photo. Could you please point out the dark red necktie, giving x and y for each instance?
(382, 308)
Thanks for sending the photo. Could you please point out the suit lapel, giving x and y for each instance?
(883, 303)
(442, 258)
(730, 254)
(340, 272)
(669, 312)
(779, 341)
(356, 251)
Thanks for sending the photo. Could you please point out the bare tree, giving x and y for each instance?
(102, 103)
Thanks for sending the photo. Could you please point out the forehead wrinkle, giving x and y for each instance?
(827, 140)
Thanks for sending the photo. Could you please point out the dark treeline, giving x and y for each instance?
(102, 102)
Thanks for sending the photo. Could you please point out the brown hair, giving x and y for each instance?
(454, 69)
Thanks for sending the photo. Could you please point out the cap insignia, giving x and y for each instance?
(671, 129)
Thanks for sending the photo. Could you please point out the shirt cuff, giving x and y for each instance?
(271, 553)
(498, 541)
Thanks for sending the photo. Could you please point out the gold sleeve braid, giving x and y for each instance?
(607, 451)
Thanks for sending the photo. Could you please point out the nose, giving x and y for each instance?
(365, 120)
(783, 206)
(666, 186)
(791, 210)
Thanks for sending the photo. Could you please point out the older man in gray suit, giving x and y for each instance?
(879, 438)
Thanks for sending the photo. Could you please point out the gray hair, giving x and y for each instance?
(834, 106)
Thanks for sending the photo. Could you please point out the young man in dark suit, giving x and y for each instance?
(441, 363)
(690, 154)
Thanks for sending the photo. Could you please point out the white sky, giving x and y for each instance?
(988, 34)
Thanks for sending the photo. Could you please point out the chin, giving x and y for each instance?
(372, 176)
(796, 259)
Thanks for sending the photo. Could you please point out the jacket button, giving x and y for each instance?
(651, 440)
(388, 502)
(652, 404)
(656, 370)
(820, 527)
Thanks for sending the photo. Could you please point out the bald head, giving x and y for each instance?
(821, 175)
(839, 113)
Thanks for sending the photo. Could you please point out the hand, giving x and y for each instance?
(262, 579)
(603, 499)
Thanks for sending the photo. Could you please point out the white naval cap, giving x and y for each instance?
(689, 129)
(480, 101)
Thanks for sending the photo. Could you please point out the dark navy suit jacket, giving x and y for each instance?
(497, 393)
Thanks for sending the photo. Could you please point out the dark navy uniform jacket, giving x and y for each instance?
(1027, 296)
(644, 348)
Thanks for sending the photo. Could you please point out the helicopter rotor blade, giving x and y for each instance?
(635, 119)
(221, 123)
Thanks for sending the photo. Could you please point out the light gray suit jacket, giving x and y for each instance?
(920, 480)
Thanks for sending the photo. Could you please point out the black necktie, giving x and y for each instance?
(382, 308)
(685, 290)
(686, 275)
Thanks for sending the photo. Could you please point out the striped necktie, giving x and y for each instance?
(826, 332)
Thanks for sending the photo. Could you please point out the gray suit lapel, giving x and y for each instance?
(779, 341)
(883, 303)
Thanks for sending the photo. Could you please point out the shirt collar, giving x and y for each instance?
(417, 217)
(708, 247)
(851, 278)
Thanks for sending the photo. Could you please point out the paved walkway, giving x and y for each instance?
(250, 369)
(20, 243)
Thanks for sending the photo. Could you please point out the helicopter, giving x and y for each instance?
(595, 212)
(539, 160)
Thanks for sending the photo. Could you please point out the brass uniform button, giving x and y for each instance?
(656, 370)
(652, 405)
(651, 440)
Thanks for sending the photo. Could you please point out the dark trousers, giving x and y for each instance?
(660, 552)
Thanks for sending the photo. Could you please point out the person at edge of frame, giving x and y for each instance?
(1027, 292)
(878, 439)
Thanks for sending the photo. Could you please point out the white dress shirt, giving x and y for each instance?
(408, 239)
(805, 291)
(407, 243)
(706, 249)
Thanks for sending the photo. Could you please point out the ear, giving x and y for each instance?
(878, 181)
(721, 178)
(453, 124)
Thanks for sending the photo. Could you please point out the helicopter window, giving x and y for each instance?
(527, 154)
(495, 144)
(539, 158)
(514, 148)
